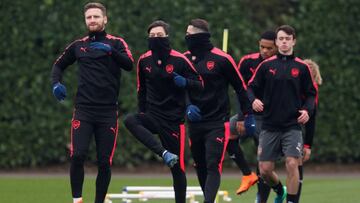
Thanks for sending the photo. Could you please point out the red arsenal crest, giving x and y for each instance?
(295, 72)
(210, 65)
(169, 68)
(75, 124)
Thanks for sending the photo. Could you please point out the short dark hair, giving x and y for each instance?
(158, 23)
(95, 5)
(268, 35)
(200, 24)
(287, 29)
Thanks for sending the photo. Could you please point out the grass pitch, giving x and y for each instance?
(56, 189)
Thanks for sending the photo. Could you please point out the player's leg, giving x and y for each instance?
(263, 188)
(215, 146)
(292, 149)
(292, 181)
(173, 139)
(142, 127)
(249, 178)
(309, 129)
(81, 132)
(236, 154)
(105, 138)
(197, 147)
(300, 181)
(234, 150)
(269, 151)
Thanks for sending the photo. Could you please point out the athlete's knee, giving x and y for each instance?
(199, 166)
(103, 164)
(130, 120)
(292, 164)
(263, 172)
(78, 158)
(232, 146)
(177, 172)
(213, 166)
(176, 168)
(266, 169)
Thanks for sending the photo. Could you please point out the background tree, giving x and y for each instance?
(34, 127)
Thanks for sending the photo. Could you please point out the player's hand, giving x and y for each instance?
(100, 46)
(257, 105)
(59, 91)
(307, 154)
(179, 80)
(193, 113)
(250, 126)
(240, 128)
(304, 117)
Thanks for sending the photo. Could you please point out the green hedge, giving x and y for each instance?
(34, 127)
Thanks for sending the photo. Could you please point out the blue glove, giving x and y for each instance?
(179, 80)
(59, 91)
(101, 46)
(249, 123)
(193, 113)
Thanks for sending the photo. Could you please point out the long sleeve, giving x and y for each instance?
(255, 85)
(141, 88)
(310, 125)
(309, 91)
(310, 130)
(232, 74)
(122, 55)
(194, 81)
(62, 62)
(56, 74)
(242, 67)
(193, 78)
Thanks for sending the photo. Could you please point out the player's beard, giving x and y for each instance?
(96, 27)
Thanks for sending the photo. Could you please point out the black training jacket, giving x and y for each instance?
(248, 64)
(218, 70)
(157, 93)
(99, 72)
(287, 87)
